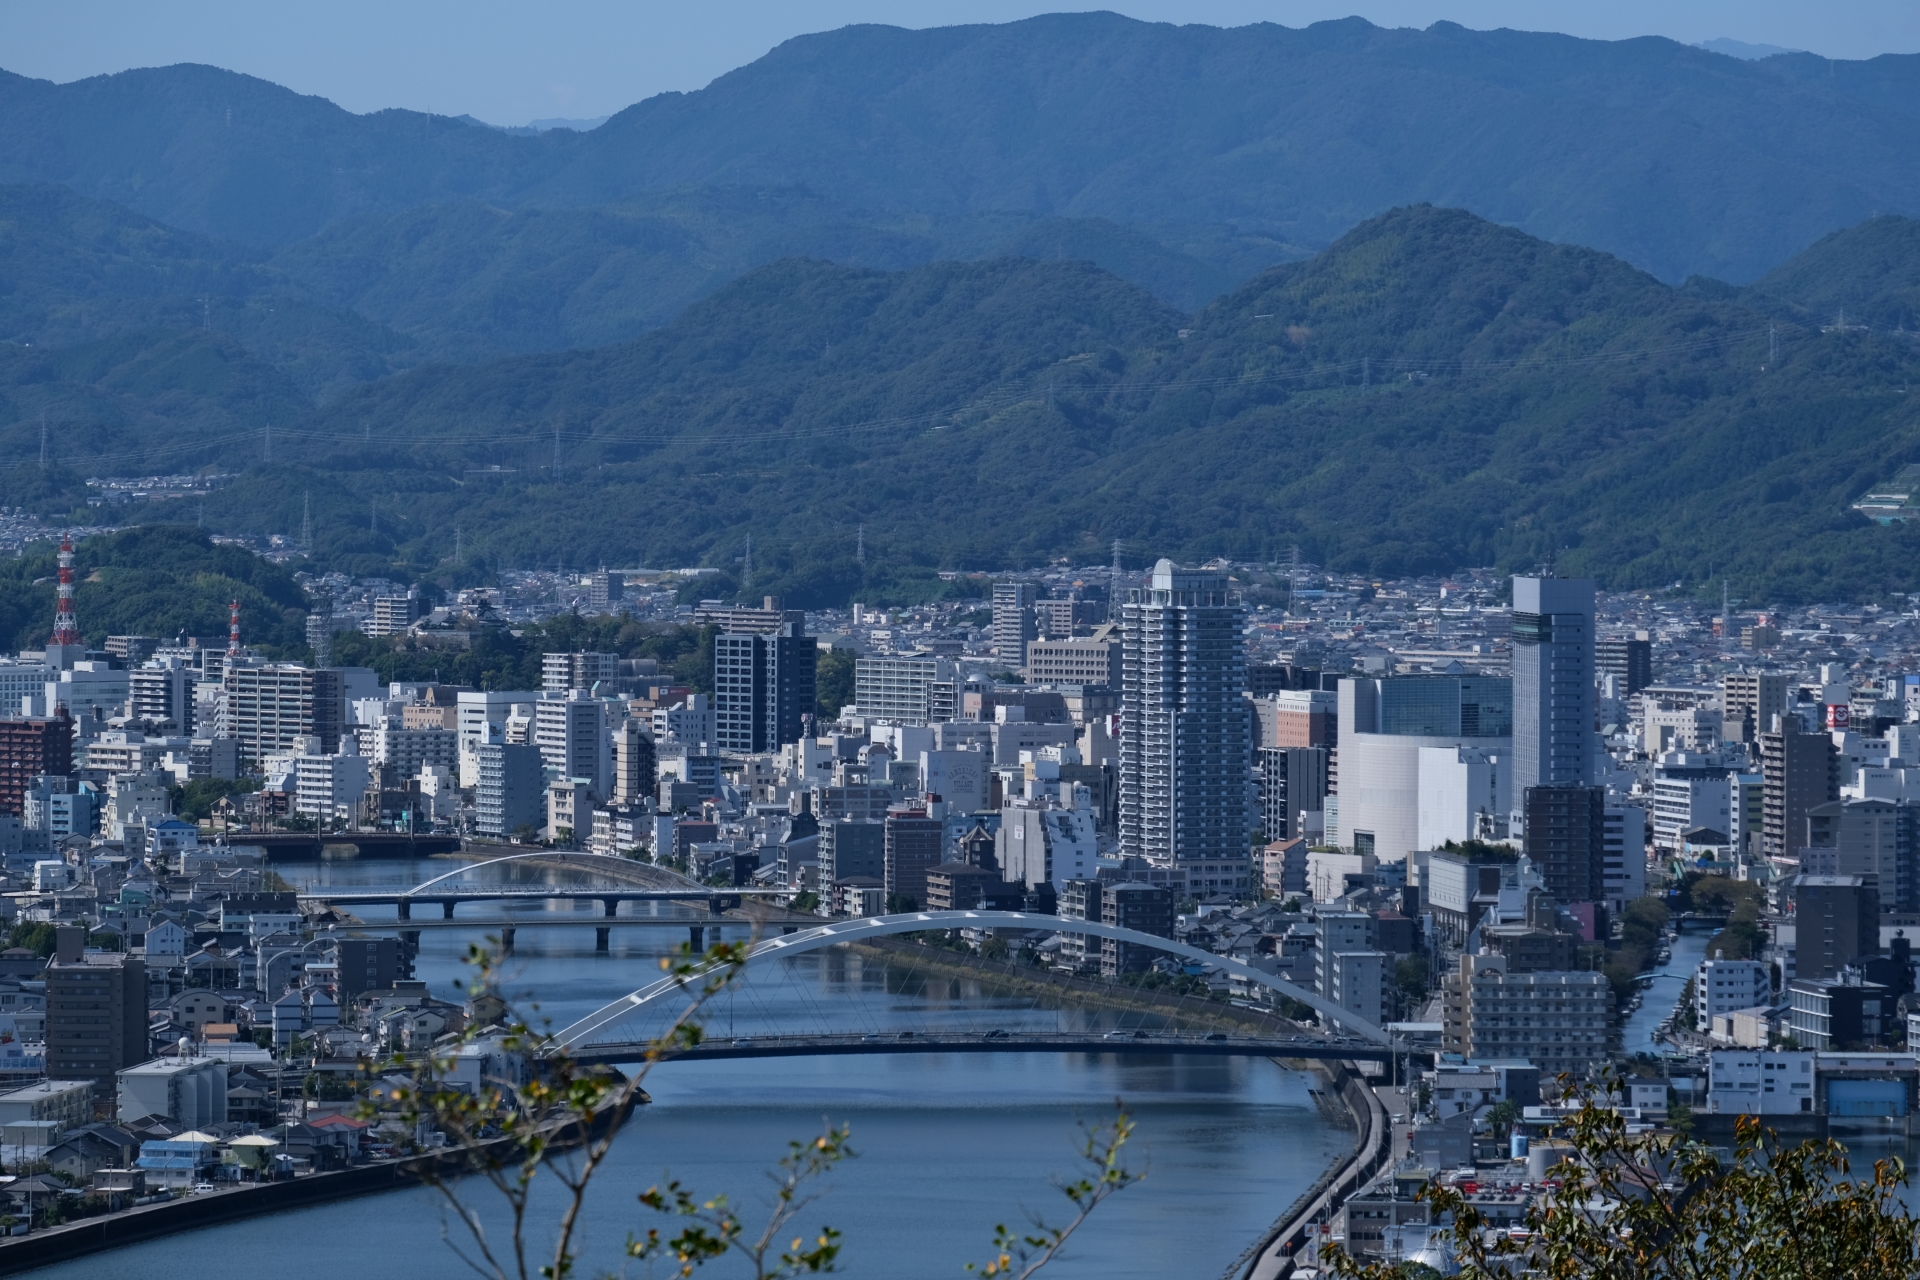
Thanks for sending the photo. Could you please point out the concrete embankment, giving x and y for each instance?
(148, 1222)
(1273, 1257)
(211, 1208)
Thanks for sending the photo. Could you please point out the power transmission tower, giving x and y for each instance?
(860, 546)
(746, 567)
(1366, 373)
(556, 449)
(269, 446)
(1773, 344)
(43, 441)
(373, 516)
(1113, 586)
(306, 520)
(456, 544)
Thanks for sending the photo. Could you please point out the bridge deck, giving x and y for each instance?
(1129, 1042)
(376, 897)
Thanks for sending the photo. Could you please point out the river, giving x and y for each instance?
(948, 1145)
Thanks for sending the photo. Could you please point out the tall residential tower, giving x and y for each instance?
(1184, 729)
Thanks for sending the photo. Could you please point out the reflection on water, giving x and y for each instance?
(949, 1145)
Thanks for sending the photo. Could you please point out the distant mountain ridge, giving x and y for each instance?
(1644, 148)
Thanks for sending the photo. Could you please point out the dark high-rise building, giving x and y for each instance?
(1566, 839)
(1629, 659)
(1144, 908)
(31, 747)
(1798, 773)
(1293, 780)
(371, 964)
(914, 845)
(1553, 696)
(763, 687)
(849, 848)
(96, 1011)
(1836, 921)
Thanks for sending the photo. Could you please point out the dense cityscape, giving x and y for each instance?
(783, 639)
(1472, 817)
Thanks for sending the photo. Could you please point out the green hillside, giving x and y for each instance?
(1432, 392)
(158, 581)
(470, 281)
(1870, 274)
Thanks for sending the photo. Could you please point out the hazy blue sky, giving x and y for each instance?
(510, 62)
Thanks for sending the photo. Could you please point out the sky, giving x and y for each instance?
(510, 62)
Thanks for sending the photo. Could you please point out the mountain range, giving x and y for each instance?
(984, 296)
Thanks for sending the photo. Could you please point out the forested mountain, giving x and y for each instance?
(1676, 159)
(1431, 392)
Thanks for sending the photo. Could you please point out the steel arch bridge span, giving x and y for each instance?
(666, 879)
(792, 944)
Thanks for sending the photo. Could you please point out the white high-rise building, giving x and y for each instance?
(1553, 707)
(1184, 729)
(574, 739)
(1623, 855)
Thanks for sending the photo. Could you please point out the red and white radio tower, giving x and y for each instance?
(233, 630)
(65, 629)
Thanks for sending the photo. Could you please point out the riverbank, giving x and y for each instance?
(1034, 980)
(1273, 1257)
(141, 1223)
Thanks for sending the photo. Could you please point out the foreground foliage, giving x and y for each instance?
(1640, 1206)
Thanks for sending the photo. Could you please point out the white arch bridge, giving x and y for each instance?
(606, 1035)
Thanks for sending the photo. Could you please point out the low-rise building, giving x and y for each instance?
(1763, 1082)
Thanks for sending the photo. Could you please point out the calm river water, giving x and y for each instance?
(949, 1145)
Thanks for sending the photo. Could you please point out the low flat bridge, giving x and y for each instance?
(699, 932)
(620, 880)
(1004, 1041)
